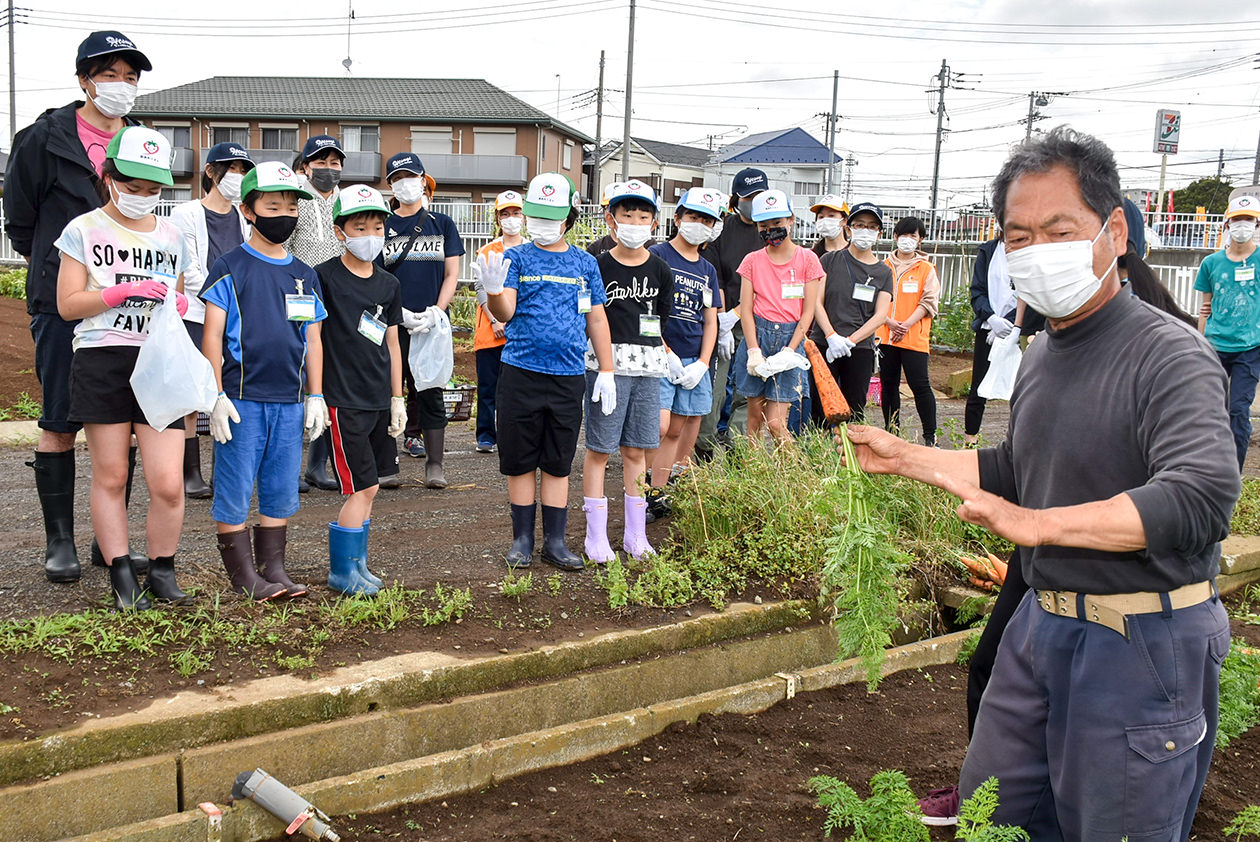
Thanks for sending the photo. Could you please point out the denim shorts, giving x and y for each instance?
(635, 422)
(784, 387)
(688, 402)
(266, 448)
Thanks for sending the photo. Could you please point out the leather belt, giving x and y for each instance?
(1111, 610)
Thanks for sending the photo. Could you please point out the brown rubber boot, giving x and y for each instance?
(238, 560)
(269, 544)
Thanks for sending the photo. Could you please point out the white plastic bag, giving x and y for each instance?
(1004, 357)
(432, 356)
(171, 378)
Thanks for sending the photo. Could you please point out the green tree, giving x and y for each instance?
(1211, 193)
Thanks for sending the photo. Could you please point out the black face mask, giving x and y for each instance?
(275, 229)
(325, 179)
(774, 236)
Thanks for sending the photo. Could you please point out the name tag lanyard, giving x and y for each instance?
(868, 289)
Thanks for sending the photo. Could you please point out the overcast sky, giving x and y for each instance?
(723, 68)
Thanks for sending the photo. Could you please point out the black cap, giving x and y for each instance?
(107, 42)
(319, 144)
(867, 207)
(404, 162)
(749, 181)
(227, 151)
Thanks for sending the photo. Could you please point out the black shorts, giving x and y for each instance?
(431, 409)
(360, 447)
(100, 387)
(539, 416)
(54, 337)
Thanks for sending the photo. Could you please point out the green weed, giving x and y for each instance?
(1246, 823)
(450, 605)
(975, 818)
(891, 814)
(27, 407)
(952, 325)
(555, 582)
(515, 587)
(612, 578)
(1246, 520)
(13, 284)
(1240, 695)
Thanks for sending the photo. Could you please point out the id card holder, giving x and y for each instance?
(299, 308)
(1245, 273)
(584, 301)
(649, 325)
(793, 291)
(863, 292)
(706, 297)
(372, 327)
(910, 286)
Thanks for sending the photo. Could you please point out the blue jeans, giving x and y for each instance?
(1243, 370)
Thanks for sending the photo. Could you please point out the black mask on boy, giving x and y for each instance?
(276, 229)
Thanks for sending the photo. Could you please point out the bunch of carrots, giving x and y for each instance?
(986, 572)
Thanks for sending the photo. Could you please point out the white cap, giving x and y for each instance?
(140, 152)
(830, 200)
(1243, 205)
(609, 190)
(508, 199)
(273, 177)
(550, 196)
(704, 200)
(771, 204)
(356, 198)
(632, 189)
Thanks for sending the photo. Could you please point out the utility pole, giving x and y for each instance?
(1255, 173)
(943, 78)
(848, 186)
(625, 132)
(599, 132)
(1159, 205)
(831, 139)
(12, 83)
(1220, 164)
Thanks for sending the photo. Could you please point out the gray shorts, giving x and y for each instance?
(635, 422)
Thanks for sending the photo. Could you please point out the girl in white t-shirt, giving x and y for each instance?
(116, 264)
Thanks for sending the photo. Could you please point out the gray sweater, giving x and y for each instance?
(1128, 400)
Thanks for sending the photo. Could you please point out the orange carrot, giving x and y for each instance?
(982, 584)
(977, 566)
(999, 568)
(835, 408)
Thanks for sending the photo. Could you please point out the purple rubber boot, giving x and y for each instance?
(598, 549)
(636, 542)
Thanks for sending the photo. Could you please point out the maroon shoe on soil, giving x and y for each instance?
(940, 807)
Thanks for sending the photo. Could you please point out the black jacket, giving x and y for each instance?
(738, 240)
(49, 181)
(1033, 321)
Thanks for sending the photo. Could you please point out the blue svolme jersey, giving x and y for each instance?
(547, 333)
(264, 353)
(684, 329)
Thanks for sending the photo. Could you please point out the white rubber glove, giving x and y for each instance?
(838, 347)
(726, 339)
(675, 368)
(692, 374)
(998, 326)
(223, 411)
(755, 358)
(316, 416)
(411, 321)
(781, 361)
(492, 273)
(397, 415)
(425, 321)
(605, 392)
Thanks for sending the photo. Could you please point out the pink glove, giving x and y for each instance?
(148, 288)
(181, 304)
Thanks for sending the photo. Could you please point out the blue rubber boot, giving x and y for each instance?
(364, 573)
(345, 547)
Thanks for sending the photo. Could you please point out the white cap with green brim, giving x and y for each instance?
(550, 196)
(358, 198)
(273, 177)
(139, 152)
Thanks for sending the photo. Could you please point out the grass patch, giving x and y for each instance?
(25, 407)
(13, 284)
(1246, 520)
(1240, 695)
(951, 327)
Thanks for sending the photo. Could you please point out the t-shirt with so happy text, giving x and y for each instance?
(779, 289)
(638, 306)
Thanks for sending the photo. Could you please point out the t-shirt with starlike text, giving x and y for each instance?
(422, 268)
(113, 255)
(264, 354)
(1235, 321)
(695, 289)
(638, 307)
(547, 333)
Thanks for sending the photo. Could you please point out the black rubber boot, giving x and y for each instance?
(139, 561)
(238, 560)
(554, 552)
(435, 446)
(195, 485)
(522, 550)
(54, 481)
(125, 586)
(161, 581)
(269, 542)
(317, 465)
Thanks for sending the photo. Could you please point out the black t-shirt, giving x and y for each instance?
(635, 291)
(601, 245)
(846, 312)
(356, 369)
(223, 233)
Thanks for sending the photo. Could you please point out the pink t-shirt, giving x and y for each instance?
(94, 141)
(779, 290)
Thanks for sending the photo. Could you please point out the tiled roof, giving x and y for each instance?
(788, 146)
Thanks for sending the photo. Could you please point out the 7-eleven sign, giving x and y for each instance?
(1167, 131)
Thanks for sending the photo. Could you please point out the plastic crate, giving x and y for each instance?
(458, 401)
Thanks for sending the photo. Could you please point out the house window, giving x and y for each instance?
(494, 141)
(431, 141)
(807, 188)
(361, 138)
(179, 136)
(286, 139)
(172, 196)
(230, 134)
(568, 156)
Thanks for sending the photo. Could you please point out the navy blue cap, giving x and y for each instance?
(749, 181)
(1137, 227)
(867, 207)
(319, 144)
(404, 162)
(109, 41)
(225, 152)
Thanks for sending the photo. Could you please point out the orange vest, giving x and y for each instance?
(907, 290)
(483, 336)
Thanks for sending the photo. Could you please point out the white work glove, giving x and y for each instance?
(838, 346)
(675, 368)
(223, 411)
(411, 321)
(397, 415)
(692, 374)
(605, 392)
(726, 338)
(316, 416)
(426, 321)
(784, 360)
(998, 327)
(492, 273)
(755, 359)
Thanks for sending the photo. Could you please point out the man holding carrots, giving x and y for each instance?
(1101, 714)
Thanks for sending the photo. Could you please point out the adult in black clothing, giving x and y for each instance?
(53, 176)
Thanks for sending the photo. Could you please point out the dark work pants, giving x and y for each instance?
(1243, 369)
(892, 362)
(981, 666)
(853, 374)
(488, 362)
(1095, 736)
(974, 413)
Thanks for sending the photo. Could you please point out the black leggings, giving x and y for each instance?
(853, 376)
(893, 361)
(979, 368)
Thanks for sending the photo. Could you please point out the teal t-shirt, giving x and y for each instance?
(1235, 287)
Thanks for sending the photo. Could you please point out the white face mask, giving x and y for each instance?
(133, 206)
(365, 248)
(716, 231)
(633, 236)
(1241, 231)
(409, 190)
(114, 99)
(696, 233)
(907, 244)
(230, 186)
(828, 227)
(512, 225)
(864, 238)
(1056, 279)
(545, 232)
